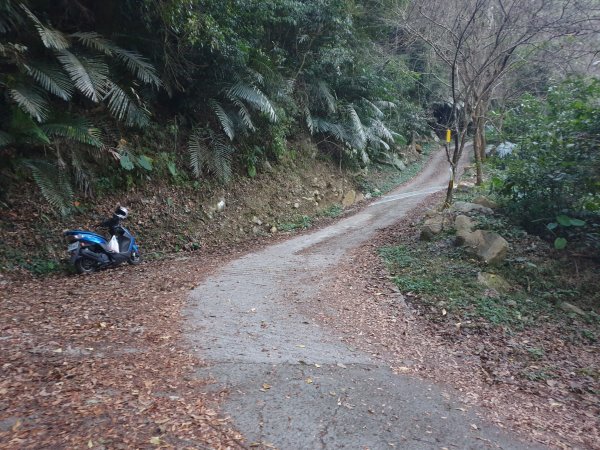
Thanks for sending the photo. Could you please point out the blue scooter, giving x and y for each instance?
(90, 251)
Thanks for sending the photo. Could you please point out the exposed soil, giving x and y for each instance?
(168, 219)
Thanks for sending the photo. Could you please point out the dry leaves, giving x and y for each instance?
(99, 362)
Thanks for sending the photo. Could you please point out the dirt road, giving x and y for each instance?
(292, 383)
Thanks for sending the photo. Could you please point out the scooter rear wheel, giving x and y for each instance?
(85, 265)
(135, 259)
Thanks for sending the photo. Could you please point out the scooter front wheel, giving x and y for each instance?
(135, 259)
(85, 265)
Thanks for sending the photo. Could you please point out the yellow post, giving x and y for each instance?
(448, 135)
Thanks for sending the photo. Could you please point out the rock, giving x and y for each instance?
(484, 201)
(394, 161)
(418, 148)
(398, 163)
(256, 220)
(296, 205)
(568, 307)
(463, 223)
(221, 205)
(493, 281)
(349, 198)
(368, 196)
(488, 246)
(432, 227)
(466, 207)
(267, 167)
(273, 230)
(465, 186)
(359, 197)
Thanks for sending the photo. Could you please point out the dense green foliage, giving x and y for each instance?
(236, 79)
(553, 178)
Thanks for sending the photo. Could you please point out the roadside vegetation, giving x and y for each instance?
(532, 318)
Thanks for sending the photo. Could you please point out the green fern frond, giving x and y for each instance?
(210, 152)
(357, 131)
(31, 100)
(95, 41)
(76, 129)
(220, 160)
(133, 61)
(54, 184)
(123, 107)
(138, 66)
(50, 37)
(224, 118)
(378, 112)
(6, 138)
(385, 104)
(52, 80)
(25, 130)
(254, 97)
(321, 125)
(82, 172)
(88, 74)
(256, 76)
(10, 17)
(326, 96)
(364, 157)
(381, 131)
(198, 151)
(244, 115)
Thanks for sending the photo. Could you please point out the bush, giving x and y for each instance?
(555, 169)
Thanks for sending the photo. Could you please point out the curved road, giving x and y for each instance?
(292, 384)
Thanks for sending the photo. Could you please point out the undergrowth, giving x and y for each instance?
(443, 280)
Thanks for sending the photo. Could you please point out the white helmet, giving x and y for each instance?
(121, 212)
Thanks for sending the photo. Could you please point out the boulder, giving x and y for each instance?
(359, 197)
(467, 238)
(432, 227)
(484, 201)
(466, 207)
(463, 223)
(488, 246)
(493, 281)
(273, 230)
(349, 198)
(465, 186)
(398, 163)
(568, 307)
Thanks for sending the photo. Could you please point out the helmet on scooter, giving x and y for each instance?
(121, 212)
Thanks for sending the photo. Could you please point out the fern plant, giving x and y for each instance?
(44, 67)
(358, 129)
(210, 152)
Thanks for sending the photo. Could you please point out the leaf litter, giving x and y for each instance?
(99, 362)
(481, 365)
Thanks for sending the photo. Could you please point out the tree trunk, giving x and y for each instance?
(479, 141)
(450, 189)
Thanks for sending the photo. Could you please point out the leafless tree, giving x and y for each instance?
(481, 41)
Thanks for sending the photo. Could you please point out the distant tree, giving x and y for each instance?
(481, 41)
